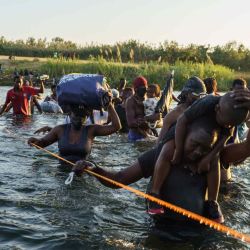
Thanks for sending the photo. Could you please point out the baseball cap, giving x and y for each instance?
(195, 85)
(140, 81)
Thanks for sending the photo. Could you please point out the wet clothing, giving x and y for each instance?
(184, 189)
(180, 181)
(121, 112)
(205, 107)
(148, 159)
(74, 152)
(133, 136)
(21, 100)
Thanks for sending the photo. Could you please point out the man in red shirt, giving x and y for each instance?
(19, 97)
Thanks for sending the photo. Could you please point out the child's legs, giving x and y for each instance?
(213, 180)
(162, 166)
(226, 175)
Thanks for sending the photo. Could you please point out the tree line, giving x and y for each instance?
(232, 54)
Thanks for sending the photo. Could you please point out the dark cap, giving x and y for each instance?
(195, 85)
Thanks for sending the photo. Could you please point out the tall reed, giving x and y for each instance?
(155, 72)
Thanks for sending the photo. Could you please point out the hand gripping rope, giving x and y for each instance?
(189, 214)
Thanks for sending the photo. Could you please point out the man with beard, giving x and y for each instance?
(184, 187)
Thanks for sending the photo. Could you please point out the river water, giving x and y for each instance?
(38, 211)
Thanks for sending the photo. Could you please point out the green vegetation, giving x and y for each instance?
(154, 72)
(129, 59)
(232, 55)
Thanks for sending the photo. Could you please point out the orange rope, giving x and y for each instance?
(189, 214)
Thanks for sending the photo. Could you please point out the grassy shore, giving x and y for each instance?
(154, 72)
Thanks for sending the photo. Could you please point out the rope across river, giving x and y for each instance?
(189, 214)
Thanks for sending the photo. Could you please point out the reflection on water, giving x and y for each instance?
(37, 210)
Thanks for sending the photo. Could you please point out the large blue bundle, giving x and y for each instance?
(82, 89)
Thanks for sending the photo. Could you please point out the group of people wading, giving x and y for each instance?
(193, 152)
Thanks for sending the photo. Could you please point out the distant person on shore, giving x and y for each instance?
(11, 57)
(19, 97)
(138, 126)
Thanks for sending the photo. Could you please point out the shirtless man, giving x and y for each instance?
(138, 126)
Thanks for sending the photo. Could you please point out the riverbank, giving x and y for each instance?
(154, 72)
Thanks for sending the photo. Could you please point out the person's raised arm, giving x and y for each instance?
(114, 126)
(234, 153)
(243, 97)
(41, 90)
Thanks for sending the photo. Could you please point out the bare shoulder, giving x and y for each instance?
(173, 115)
(92, 128)
(58, 129)
(179, 110)
(130, 101)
